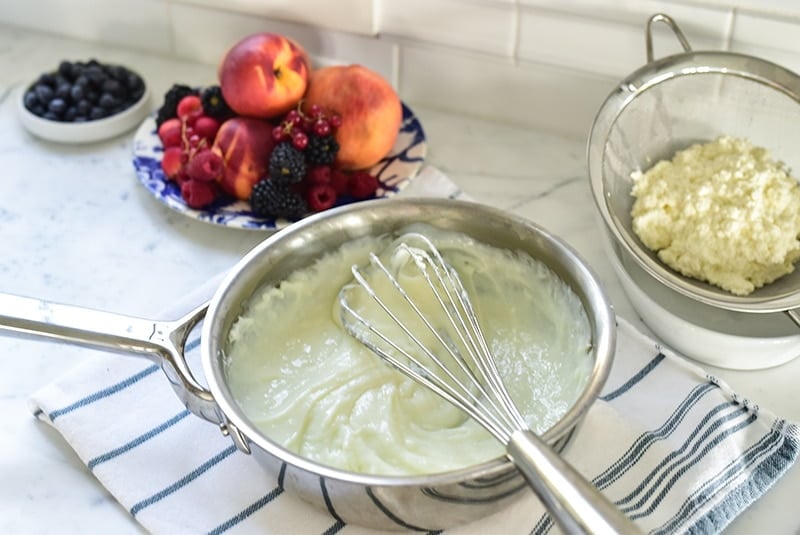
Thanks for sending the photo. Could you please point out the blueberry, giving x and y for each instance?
(80, 119)
(51, 116)
(83, 81)
(38, 110)
(83, 107)
(97, 113)
(136, 95)
(30, 99)
(65, 69)
(92, 96)
(76, 92)
(116, 72)
(57, 106)
(107, 101)
(71, 113)
(95, 74)
(63, 90)
(134, 81)
(44, 93)
(47, 79)
(113, 88)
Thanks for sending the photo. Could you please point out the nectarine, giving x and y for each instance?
(245, 145)
(370, 109)
(264, 75)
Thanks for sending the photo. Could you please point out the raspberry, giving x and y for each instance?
(170, 132)
(321, 197)
(286, 164)
(172, 161)
(340, 180)
(198, 194)
(321, 174)
(214, 104)
(206, 128)
(189, 106)
(271, 199)
(205, 166)
(362, 185)
(321, 150)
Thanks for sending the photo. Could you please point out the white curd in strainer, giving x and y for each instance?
(308, 385)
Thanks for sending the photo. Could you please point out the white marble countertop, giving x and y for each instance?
(77, 227)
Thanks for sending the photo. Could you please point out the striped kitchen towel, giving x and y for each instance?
(675, 448)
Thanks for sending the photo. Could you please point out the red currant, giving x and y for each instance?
(335, 120)
(277, 133)
(322, 128)
(299, 139)
(315, 111)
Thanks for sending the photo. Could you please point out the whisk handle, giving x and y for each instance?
(575, 504)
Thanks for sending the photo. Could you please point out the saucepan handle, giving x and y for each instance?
(576, 505)
(160, 342)
(666, 19)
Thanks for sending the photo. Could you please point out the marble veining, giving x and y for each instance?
(76, 226)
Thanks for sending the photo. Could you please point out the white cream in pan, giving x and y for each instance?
(310, 386)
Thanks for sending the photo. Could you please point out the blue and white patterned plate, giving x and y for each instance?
(394, 172)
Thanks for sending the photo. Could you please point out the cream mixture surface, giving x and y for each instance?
(307, 384)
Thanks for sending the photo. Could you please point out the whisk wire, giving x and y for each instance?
(459, 311)
(416, 370)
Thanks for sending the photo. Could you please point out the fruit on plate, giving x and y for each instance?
(264, 75)
(79, 91)
(370, 111)
(245, 145)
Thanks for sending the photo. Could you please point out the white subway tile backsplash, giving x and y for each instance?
(142, 24)
(533, 62)
(354, 16)
(561, 100)
(765, 31)
(204, 35)
(485, 26)
(768, 38)
(600, 36)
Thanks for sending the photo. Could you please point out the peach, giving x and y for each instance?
(264, 75)
(245, 145)
(370, 109)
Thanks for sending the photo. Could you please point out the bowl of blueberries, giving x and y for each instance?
(83, 102)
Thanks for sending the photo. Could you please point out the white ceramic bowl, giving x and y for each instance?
(708, 334)
(86, 132)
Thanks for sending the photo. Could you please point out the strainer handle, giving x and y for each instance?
(666, 19)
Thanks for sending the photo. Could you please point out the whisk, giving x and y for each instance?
(439, 343)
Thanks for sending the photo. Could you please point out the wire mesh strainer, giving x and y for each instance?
(668, 105)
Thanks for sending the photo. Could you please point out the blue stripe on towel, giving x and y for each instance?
(182, 482)
(128, 446)
(650, 366)
(335, 528)
(113, 389)
(246, 512)
(104, 393)
(649, 438)
(679, 472)
(545, 523)
(684, 456)
(784, 452)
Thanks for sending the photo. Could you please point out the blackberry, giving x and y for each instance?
(321, 150)
(214, 104)
(270, 199)
(172, 97)
(287, 164)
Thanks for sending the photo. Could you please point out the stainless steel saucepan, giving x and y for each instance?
(424, 502)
